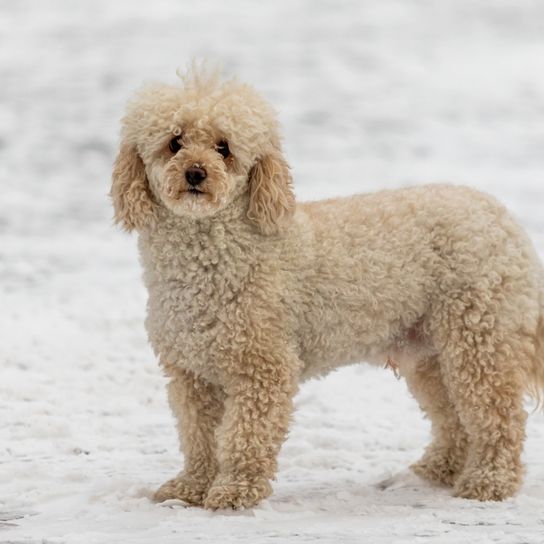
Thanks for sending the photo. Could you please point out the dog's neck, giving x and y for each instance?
(226, 244)
(167, 223)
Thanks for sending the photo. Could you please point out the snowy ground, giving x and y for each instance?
(371, 94)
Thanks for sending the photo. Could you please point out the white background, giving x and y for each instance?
(371, 94)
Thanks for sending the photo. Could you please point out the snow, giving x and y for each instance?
(370, 95)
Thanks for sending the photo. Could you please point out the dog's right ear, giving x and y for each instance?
(132, 202)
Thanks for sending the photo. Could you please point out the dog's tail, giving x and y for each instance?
(536, 372)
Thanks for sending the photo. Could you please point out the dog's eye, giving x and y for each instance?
(223, 148)
(174, 144)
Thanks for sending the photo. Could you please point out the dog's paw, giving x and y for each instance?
(183, 488)
(237, 495)
(438, 470)
(440, 465)
(487, 484)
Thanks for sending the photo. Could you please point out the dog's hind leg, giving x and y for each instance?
(444, 457)
(484, 365)
(198, 408)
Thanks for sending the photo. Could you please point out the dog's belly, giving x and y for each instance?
(327, 348)
(397, 346)
(345, 322)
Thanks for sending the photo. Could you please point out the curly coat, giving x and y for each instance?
(250, 293)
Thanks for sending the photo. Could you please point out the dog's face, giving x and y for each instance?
(194, 149)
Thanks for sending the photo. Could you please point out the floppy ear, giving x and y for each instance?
(132, 202)
(271, 197)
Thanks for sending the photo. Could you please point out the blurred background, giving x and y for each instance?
(370, 95)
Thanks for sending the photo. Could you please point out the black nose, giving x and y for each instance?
(195, 176)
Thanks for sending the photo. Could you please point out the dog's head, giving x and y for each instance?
(196, 148)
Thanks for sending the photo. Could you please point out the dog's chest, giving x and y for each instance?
(183, 323)
(193, 291)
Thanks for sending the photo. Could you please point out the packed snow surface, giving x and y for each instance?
(371, 94)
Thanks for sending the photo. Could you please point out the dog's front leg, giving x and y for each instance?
(258, 409)
(198, 408)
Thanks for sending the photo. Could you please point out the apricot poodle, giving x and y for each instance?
(250, 293)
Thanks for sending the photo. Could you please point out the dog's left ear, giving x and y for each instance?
(271, 197)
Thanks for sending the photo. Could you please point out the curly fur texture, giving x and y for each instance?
(250, 294)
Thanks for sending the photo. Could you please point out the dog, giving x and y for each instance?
(250, 293)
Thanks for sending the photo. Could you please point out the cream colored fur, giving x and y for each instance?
(249, 294)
